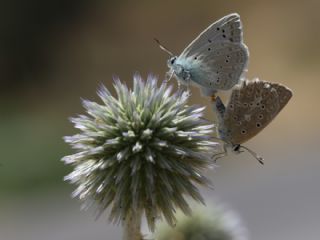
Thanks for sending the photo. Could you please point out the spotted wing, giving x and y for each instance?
(228, 28)
(252, 107)
(217, 58)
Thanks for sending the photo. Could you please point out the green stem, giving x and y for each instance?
(132, 227)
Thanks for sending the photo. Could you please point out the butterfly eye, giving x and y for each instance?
(243, 131)
(258, 125)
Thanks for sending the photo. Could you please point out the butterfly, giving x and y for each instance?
(252, 106)
(215, 60)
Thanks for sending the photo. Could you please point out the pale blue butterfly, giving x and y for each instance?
(252, 106)
(215, 60)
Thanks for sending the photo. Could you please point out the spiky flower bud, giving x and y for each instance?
(210, 223)
(141, 152)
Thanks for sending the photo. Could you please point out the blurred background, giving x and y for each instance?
(53, 52)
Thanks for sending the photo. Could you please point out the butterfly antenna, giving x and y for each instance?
(164, 48)
(255, 155)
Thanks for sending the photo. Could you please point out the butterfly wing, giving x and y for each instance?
(217, 58)
(228, 28)
(251, 108)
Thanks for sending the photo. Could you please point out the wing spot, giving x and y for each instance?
(231, 106)
(195, 58)
(243, 131)
(245, 105)
(227, 60)
(218, 29)
(260, 116)
(224, 36)
(258, 125)
(209, 49)
(209, 41)
(223, 30)
(231, 39)
(263, 107)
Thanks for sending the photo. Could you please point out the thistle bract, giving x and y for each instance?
(141, 152)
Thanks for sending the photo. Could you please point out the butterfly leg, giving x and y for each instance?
(188, 89)
(168, 76)
(222, 154)
(187, 78)
(179, 85)
(217, 156)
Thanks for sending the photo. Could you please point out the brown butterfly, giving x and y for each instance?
(252, 106)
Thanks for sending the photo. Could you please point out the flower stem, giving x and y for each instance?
(132, 227)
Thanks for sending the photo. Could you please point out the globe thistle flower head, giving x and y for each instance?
(210, 223)
(142, 151)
